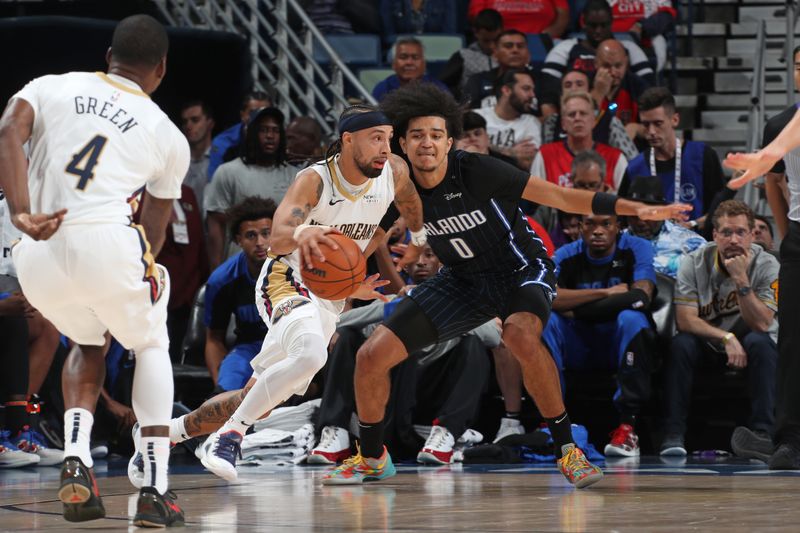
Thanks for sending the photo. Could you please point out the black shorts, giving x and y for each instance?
(449, 304)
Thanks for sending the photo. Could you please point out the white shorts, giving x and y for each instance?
(87, 279)
(282, 300)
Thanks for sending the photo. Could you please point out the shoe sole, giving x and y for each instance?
(426, 458)
(589, 480)
(74, 493)
(673, 452)
(53, 461)
(227, 475)
(358, 481)
(745, 444)
(82, 513)
(155, 522)
(21, 463)
(317, 459)
(613, 451)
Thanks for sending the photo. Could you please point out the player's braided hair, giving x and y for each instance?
(422, 100)
(251, 208)
(336, 146)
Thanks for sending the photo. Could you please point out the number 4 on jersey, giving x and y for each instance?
(83, 162)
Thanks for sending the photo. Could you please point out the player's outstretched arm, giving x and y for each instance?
(288, 228)
(409, 204)
(156, 213)
(587, 202)
(16, 126)
(761, 162)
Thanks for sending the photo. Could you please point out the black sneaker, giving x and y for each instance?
(79, 492)
(751, 444)
(785, 457)
(157, 510)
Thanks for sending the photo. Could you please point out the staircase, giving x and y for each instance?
(715, 69)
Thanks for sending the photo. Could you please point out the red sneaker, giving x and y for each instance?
(333, 447)
(624, 442)
(438, 449)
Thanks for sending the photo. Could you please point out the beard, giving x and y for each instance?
(369, 171)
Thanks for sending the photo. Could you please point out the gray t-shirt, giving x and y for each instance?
(702, 284)
(197, 177)
(234, 181)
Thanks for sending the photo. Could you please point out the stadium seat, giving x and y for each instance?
(370, 77)
(194, 342)
(539, 44)
(361, 50)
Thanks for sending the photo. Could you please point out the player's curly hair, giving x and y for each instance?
(422, 100)
(251, 208)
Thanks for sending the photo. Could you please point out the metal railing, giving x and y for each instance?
(282, 57)
(755, 124)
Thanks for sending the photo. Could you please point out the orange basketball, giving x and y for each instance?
(342, 272)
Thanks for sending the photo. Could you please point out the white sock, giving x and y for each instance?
(177, 430)
(77, 433)
(155, 452)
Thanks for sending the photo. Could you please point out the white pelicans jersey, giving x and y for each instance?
(356, 211)
(97, 140)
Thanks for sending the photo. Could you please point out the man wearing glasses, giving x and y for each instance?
(725, 303)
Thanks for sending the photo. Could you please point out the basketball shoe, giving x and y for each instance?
(359, 469)
(11, 456)
(508, 426)
(624, 442)
(785, 457)
(31, 441)
(222, 450)
(438, 449)
(752, 444)
(157, 510)
(333, 447)
(79, 492)
(576, 468)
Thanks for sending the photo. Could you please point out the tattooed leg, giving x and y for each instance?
(215, 411)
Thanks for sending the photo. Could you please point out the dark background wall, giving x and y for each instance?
(213, 66)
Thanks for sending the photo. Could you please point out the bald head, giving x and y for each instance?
(612, 58)
(611, 48)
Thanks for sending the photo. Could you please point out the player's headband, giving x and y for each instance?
(362, 121)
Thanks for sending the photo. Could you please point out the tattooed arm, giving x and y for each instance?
(407, 201)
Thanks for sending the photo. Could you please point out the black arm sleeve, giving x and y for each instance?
(601, 310)
(487, 177)
(388, 219)
(657, 24)
(713, 179)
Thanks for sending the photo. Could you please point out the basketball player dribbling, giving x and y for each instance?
(95, 273)
(494, 266)
(348, 193)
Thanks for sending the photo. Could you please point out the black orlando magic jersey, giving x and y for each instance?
(472, 218)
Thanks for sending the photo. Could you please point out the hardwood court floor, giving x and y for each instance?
(651, 496)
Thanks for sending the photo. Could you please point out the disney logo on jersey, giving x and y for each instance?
(455, 224)
(452, 196)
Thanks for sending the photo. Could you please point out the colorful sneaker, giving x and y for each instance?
(222, 452)
(673, 446)
(508, 426)
(359, 469)
(438, 449)
(624, 442)
(576, 468)
(333, 447)
(157, 510)
(11, 456)
(79, 492)
(136, 462)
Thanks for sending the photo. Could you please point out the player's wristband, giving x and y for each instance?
(419, 238)
(604, 203)
(728, 336)
(302, 227)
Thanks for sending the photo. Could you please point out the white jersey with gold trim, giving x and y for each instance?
(103, 142)
(356, 211)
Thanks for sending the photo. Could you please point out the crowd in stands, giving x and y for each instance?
(592, 116)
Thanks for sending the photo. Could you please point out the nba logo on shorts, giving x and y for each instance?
(629, 358)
